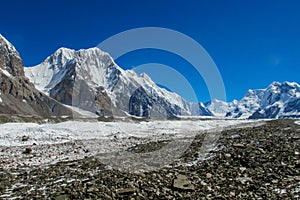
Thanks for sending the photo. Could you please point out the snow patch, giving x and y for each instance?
(6, 73)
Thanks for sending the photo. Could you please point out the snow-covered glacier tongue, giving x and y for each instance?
(91, 80)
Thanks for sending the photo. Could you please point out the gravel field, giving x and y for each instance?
(254, 161)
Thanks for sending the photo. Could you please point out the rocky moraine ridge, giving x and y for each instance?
(255, 162)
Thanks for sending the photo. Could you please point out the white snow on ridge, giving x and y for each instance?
(6, 73)
(297, 122)
(9, 45)
(98, 68)
(276, 101)
(220, 108)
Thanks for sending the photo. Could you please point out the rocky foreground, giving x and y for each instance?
(258, 162)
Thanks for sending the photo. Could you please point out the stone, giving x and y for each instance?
(275, 181)
(62, 197)
(92, 189)
(244, 180)
(239, 145)
(24, 138)
(209, 175)
(242, 169)
(28, 150)
(227, 155)
(181, 182)
(262, 151)
(125, 191)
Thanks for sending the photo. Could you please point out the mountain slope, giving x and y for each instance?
(278, 100)
(220, 108)
(17, 94)
(90, 79)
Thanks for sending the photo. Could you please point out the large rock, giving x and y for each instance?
(181, 182)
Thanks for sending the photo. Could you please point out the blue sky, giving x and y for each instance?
(252, 42)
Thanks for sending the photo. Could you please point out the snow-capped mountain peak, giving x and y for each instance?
(10, 59)
(278, 100)
(9, 46)
(126, 90)
(17, 94)
(50, 72)
(220, 108)
(102, 80)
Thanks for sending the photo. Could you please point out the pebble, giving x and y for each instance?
(209, 175)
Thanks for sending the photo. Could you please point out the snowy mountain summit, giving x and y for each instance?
(278, 100)
(91, 80)
(17, 94)
(220, 108)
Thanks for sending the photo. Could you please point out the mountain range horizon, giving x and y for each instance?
(119, 92)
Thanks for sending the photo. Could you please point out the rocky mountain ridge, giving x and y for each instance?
(91, 80)
(278, 100)
(17, 94)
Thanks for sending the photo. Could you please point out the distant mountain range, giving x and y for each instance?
(91, 80)
(278, 100)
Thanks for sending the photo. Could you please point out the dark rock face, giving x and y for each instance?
(76, 92)
(18, 95)
(103, 102)
(82, 96)
(270, 112)
(144, 105)
(10, 59)
(63, 91)
(203, 110)
(293, 106)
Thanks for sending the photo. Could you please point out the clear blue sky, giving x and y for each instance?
(252, 42)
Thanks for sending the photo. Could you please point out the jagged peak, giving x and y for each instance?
(64, 54)
(9, 45)
(252, 93)
(286, 85)
(291, 84)
(68, 51)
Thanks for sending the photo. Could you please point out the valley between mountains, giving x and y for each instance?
(78, 126)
